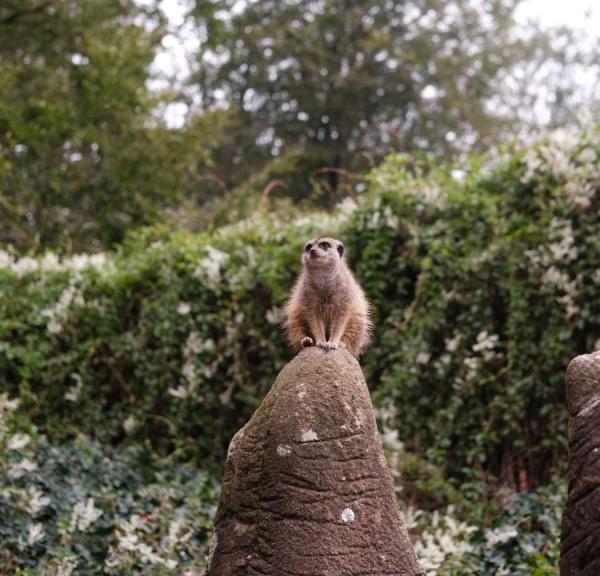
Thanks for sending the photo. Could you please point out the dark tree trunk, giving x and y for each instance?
(306, 489)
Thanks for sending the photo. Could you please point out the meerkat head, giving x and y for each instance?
(322, 252)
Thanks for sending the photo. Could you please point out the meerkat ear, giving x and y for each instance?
(340, 249)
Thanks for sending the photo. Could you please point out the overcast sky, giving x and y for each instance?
(172, 61)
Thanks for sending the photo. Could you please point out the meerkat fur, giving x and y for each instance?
(327, 307)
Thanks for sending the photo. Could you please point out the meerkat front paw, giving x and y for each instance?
(327, 345)
(306, 342)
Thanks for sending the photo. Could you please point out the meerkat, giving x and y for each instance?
(327, 307)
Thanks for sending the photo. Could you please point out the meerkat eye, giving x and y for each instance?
(325, 245)
(307, 247)
(340, 249)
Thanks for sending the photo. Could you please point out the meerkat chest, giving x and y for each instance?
(329, 297)
(328, 311)
(332, 307)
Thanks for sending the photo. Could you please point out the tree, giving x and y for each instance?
(83, 156)
(350, 80)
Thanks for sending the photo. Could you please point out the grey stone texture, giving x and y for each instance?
(580, 537)
(306, 489)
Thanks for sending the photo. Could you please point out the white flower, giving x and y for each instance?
(18, 441)
(24, 266)
(19, 469)
(347, 206)
(391, 440)
(174, 530)
(7, 405)
(6, 408)
(423, 357)
(36, 501)
(274, 315)
(532, 164)
(373, 222)
(209, 268)
(84, 514)
(411, 515)
(587, 155)
(555, 277)
(66, 566)
(50, 262)
(579, 193)
(181, 391)
(72, 394)
(35, 533)
(485, 342)
(449, 539)
(54, 327)
(485, 345)
(472, 363)
(500, 535)
(128, 540)
(562, 248)
(391, 220)
(183, 308)
(71, 294)
(189, 373)
(452, 343)
(194, 345)
(430, 193)
(129, 424)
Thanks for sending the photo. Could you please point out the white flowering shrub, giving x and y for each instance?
(444, 544)
(475, 528)
(484, 293)
(483, 287)
(84, 509)
(522, 540)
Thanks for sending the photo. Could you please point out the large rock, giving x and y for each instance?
(580, 538)
(306, 489)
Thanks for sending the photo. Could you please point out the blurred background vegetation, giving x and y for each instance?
(289, 101)
(151, 223)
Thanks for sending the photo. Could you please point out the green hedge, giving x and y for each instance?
(484, 285)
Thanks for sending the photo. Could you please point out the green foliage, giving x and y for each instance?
(504, 298)
(83, 154)
(134, 369)
(483, 289)
(93, 510)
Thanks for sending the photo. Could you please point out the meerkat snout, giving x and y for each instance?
(322, 252)
(327, 306)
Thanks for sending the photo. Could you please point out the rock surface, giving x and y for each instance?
(580, 537)
(306, 489)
